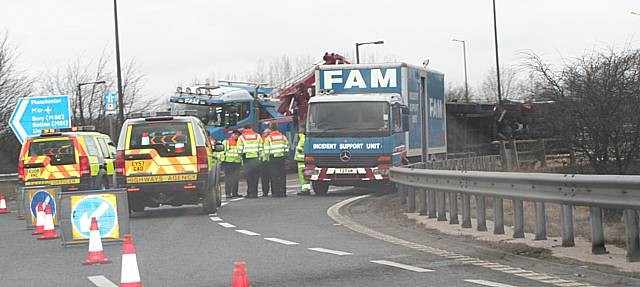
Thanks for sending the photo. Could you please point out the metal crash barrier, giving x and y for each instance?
(427, 191)
(109, 207)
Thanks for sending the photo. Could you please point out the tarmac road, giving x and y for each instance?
(290, 241)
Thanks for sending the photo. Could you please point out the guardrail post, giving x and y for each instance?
(597, 232)
(431, 204)
(403, 194)
(411, 200)
(442, 206)
(481, 213)
(422, 198)
(498, 216)
(541, 222)
(453, 208)
(518, 219)
(566, 214)
(631, 234)
(466, 211)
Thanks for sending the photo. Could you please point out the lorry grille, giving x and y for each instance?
(357, 160)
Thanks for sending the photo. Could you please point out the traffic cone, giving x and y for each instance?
(240, 278)
(49, 228)
(96, 254)
(129, 274)
(3, 205)
(39, 220)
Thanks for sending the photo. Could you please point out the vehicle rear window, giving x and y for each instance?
(59, 151)
(167, 138)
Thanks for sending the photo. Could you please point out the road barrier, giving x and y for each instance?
(108, 206)
(29, 197)
(426, 191)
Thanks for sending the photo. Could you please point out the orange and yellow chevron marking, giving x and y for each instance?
(159, 165)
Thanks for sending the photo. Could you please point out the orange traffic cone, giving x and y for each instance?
(49, 228)
(129, 274)
(96, 254)
(240, 278)
(39, 220)
(3, 205)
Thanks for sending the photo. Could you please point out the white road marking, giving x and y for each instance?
(488, 283)
(402, 266)
(215, 218)
(101, 281)
(224, 203)
(236, 199)
(334, 252)
(334, 213)
(247, 232)
(281, 241)
(227, 225)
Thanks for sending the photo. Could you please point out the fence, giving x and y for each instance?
(427, 190)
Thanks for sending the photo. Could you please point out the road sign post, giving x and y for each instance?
(34, 114)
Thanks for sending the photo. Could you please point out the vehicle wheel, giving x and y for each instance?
(218, 187)
(320, 188)
(210, 201)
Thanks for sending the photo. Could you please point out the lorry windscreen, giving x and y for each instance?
(348, 119)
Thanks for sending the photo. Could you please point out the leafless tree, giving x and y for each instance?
(597, 106)
(456, 93)
(14, 83)
(511, 86)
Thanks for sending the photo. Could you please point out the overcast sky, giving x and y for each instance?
(175, 41)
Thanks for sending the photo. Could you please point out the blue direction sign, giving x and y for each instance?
(110, 102)
(34, 114)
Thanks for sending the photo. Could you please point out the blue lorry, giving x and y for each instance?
(230, 106)
(367, 118)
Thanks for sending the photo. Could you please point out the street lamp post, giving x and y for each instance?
(464, 55)
(365, 43)
(495, 36)
(80, 98)
(118, 72)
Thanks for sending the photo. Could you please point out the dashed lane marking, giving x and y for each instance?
(488, 283)
(247, 232)
(401, 266)
(237, 199)
(334, 252)
(215, 218)
(334, 213)
(101, 281)
(281, 241)
(227, 225)
(224, 203)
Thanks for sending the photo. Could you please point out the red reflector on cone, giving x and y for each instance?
(96, 253)
(49, 228)
(240, 278)
(129, 274)
(3, 205)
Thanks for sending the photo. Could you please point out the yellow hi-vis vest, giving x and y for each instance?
(249, 144)
(230, 152)
(278, 145)
(299, 156)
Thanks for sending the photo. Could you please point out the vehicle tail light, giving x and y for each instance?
(189, 187)
(202, 159)
(309, 159)
(133, 189)
(85, 167)
(120, 162)
(21, 174)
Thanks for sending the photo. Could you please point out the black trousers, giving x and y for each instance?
(231, 178)
(252, 172)
(265, 176)
(278, 178)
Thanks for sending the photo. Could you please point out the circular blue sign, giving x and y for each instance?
(45, 198)
(93, 206)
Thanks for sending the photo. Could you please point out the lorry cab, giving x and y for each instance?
(74, 159)
(367, 118)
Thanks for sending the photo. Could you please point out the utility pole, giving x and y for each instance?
(464, 55)
(365, 43)
(119, 70)
(495, 35)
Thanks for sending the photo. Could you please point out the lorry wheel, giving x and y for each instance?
(209, 200)
(320, 189)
